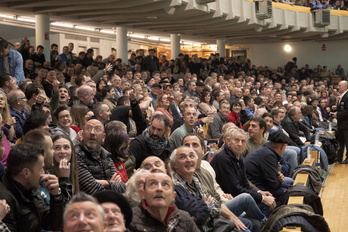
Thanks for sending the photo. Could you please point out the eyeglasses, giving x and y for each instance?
(64, 116)
(21, 98)
(97, 129)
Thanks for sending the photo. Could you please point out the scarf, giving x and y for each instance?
(157, 146)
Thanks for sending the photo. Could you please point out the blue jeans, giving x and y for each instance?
(245, 203)
(290, 155)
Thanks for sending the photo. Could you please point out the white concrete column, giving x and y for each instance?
(42, 33)
(122, 44)
(174, 45)
(221, 47)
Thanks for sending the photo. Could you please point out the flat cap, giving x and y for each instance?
(279, 137)
(119, 200)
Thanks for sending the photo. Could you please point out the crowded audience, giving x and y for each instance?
(97, 137)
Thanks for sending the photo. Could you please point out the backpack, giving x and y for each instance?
(315, 180)
(295, 215)
(309, 197)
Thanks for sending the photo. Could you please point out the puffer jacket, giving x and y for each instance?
(92, 169)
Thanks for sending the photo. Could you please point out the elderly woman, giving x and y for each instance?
(184, 162)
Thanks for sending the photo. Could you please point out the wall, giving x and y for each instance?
(309, 53)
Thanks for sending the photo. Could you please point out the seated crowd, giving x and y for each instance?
(318, 4)
(105, 145)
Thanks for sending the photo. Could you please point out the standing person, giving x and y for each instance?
(342, 126)
(151, 62)
(11, 61)
(25, 171)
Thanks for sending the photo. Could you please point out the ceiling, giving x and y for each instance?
(229, 20)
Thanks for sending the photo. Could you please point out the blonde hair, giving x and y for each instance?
(6, 115)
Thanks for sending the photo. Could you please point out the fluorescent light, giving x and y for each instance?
(84, 28)
(107, 32)
(137, 36)
(188, 43)
(62, 24)
(165, 40)
(152, 38)
(197, 45)
(26, 19)
(7, 16)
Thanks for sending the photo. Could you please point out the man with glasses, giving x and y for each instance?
(17, 101)
(96, 168)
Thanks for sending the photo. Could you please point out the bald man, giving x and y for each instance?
(85, 96)
(342, 125)
(96, 168)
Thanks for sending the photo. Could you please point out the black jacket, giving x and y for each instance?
(231, 175)
(141, 150)
(293, 129)
(121, 113)
(92, 169)
(28, 212)
(262, 168)
(342, 113)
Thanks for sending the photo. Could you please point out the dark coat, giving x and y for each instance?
(20, 119)
(92, 169)
(262, 168)
(293, 129)
(180, 220)
(121, 113)
(28, 210)
(141, 150)
(151, 64)
(231, 175)
(342, 113)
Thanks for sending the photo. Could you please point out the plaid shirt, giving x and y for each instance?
(196, 189)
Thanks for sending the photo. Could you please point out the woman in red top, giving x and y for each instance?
(116, 142)
(238, 115)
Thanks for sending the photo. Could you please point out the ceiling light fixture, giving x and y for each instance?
(107, 32)
(30, 20)
(7, 16)
(164, 40)
(137, 36)
(152, 38)
(84, 28)
(62, 24)
(287, 48)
